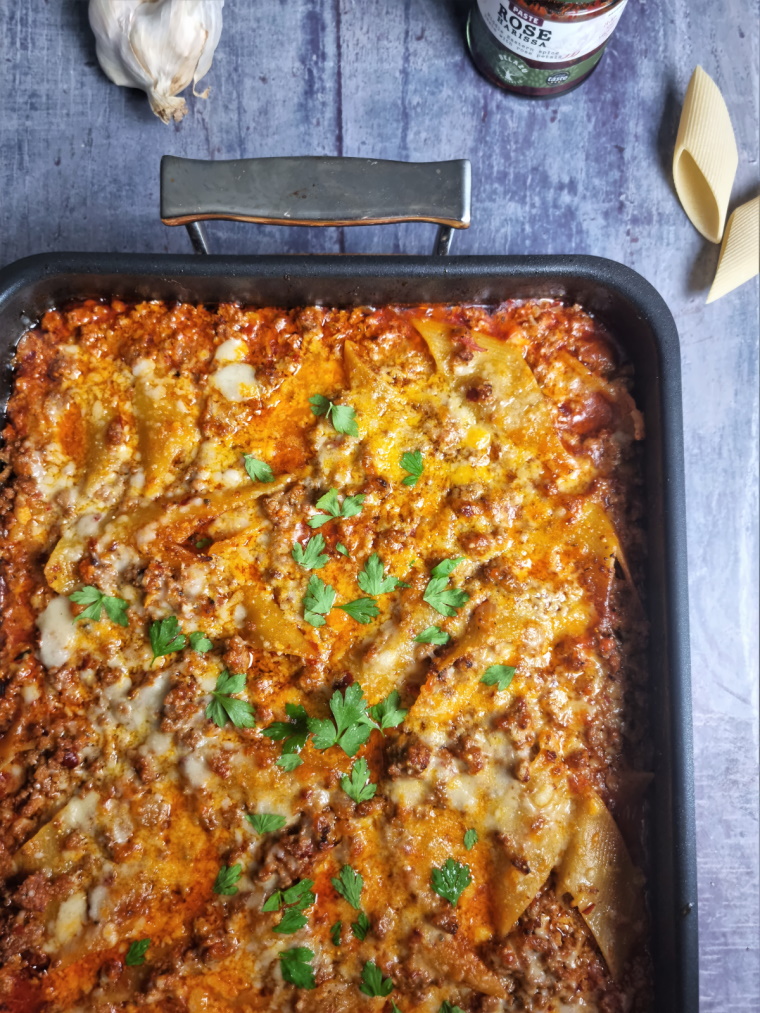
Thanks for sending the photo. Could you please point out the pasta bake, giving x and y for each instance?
(323, 660)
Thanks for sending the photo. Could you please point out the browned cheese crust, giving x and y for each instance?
(466, 743)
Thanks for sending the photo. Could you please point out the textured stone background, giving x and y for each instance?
(587, 173)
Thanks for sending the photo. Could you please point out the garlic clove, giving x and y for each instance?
(160, 46)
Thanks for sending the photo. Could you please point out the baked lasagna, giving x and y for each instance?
(323, 663)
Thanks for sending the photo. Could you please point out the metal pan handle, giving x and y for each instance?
(315, 190)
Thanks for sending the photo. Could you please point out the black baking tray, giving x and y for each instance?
(643, 325)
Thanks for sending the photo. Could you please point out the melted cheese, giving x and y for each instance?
(143, 494)
(57, 633)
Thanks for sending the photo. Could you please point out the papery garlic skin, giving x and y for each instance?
(160, 46)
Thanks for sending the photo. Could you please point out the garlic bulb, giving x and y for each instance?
(157, 45)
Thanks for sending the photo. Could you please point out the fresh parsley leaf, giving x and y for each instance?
(446, 1007)
(293, 733)
(360, 927)
(166, 637)
(372, 578)
(200, 642)
(341, 548)
(387, 713)
(295, 966)
(373, 982)
(450, 880)
(203, 543)
(352, 723)
(349, 885)
(343, 417)
(446, 567)
(317, 601)
(320, 405)
(224, 884)
(289, 761)
(350, 507)
(499, 675)
(224, 706)
(335, 931)
(265, 823)
(136, 952)
(363, 610)
(258, 471)
(432, 635)
(291, 921)
(411, 461)
(357, 785)
(116, 608)
(299, 894)
(470, 838)
(294, 900)
(273, 903)
(311, 557)
(445, 600)
(330, 504)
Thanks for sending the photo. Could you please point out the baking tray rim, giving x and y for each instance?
(559, 275)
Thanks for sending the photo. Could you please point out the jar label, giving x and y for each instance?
(545, 40)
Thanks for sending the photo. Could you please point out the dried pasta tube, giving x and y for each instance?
(705, 159)
(740, 253)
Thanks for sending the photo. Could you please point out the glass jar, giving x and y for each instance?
(540, 48)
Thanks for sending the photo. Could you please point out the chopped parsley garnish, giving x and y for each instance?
(447, 1007)
(350, 507)
(335, 931)
(352, 723)
(258, 471)
(363, 610)
(294, 900)
(446, 567)
(445, 600)
(349, 885)
(299, 896)
(203, 543)
(499, 675)
(470, 838)
(343, 417)
(200, 642)
(96, 601)
(226, 878)
(265, 823)
(372, 579)
(295, 966)
(292, 733)
(317, 601)
(341, 548)
(224, 706)
(357, 784)
(166, 637)
(373, 982)
(387, 713)
(411, 461)
(432, 635)
(312, 556)
(451, 880)
(360, 927)
(292, 920)
(136, 953)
